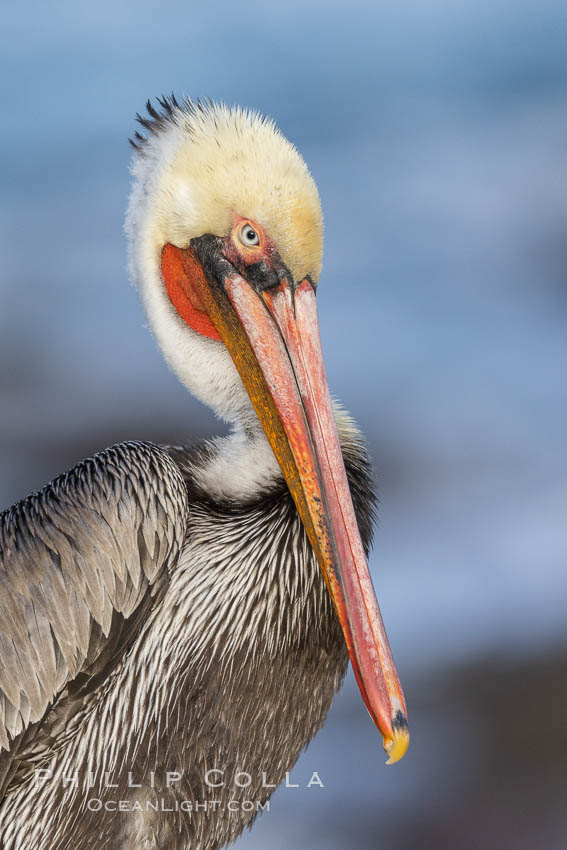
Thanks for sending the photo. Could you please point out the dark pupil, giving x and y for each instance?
(250, 234)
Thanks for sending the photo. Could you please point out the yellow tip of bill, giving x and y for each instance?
(397, 745)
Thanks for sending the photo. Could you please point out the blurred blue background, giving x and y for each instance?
(437, 133)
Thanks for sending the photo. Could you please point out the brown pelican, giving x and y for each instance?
(174, 622)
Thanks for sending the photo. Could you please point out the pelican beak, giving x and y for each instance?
(269, 325)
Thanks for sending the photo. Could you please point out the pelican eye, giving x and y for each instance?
(248, 236)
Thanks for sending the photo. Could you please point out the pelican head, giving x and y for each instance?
(226, 239)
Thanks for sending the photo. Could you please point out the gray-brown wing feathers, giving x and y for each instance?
(95, 541)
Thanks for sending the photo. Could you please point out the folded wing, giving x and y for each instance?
(75, 558)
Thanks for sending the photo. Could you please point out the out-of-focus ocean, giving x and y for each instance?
(437, 133)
